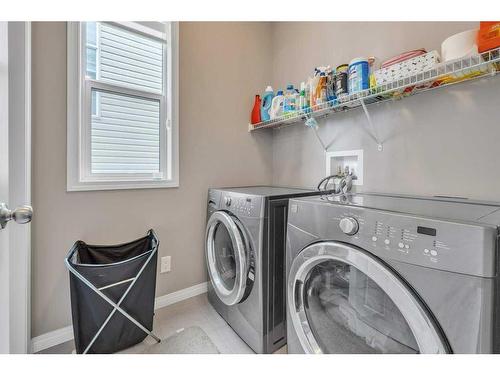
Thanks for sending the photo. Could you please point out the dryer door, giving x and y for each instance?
(228, 258)
(343, 300)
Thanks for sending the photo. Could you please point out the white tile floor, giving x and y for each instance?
(195, 311)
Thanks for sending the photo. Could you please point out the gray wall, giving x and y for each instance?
(217, 78)
(440, 142)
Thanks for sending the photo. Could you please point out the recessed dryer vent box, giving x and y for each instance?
(351, 158)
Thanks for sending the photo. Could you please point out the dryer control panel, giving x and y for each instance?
(238, 204)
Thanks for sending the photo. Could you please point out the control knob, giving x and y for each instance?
(349, 225)
(227, 201)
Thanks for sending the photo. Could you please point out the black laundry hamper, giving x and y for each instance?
(112, 293)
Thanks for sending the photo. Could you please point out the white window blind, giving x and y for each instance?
(127, 106)
(125, 130)
(130, 59)
(125, 135)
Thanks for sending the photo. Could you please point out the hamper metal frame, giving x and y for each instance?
(116, 306)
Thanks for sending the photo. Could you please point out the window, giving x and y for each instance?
(122, 105)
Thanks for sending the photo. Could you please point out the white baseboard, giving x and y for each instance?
(65, 334)
(52, 338)
(180, 295)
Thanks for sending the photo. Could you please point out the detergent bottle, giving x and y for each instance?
(266, 104)
(321, 89)
(289, 101)
(277, 105)
(308, 94)
(302, 104)
(296, 96)
(330, 86)
(255, 117)
(314, 92)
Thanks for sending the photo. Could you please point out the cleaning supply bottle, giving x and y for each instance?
(324, 87)
(321, 89)
(314, 92)
(308, 94)
(341, 78)
(289, 103)
(302, 104)
(266, 104)
(277, 105)
(296, 96)
(330, 86)
(358, 75)
(255, 117)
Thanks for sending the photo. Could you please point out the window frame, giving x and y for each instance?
(79, 176)
(96, 47)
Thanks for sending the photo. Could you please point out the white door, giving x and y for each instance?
(4, 191)
(14, 187)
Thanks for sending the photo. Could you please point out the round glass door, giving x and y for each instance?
(343, 300)
(225, 263)
(227, 260)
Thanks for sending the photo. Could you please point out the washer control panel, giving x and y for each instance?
(462, 247)
(392, 236)
(432, 243)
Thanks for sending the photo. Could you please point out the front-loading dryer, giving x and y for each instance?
(245, 255)
(372, 273)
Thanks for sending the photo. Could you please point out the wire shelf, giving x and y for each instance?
(443, 74)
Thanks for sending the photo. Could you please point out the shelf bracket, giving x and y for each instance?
(319, 138)
(311, 123)
(371, 130)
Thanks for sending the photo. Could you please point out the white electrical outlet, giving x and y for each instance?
(166, 263)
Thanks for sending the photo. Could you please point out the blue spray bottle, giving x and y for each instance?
(267, 100)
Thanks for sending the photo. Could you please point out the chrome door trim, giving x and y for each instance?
(425, 331)
(235, 295)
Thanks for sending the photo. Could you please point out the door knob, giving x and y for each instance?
(20, 215)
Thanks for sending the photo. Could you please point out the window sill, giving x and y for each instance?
(132, 185)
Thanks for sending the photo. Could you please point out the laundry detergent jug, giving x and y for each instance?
(265, 107)
(277, 106)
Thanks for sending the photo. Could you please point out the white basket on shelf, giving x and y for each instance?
(407, 68)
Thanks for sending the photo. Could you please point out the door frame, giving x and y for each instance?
(19, 36)
(423, 326)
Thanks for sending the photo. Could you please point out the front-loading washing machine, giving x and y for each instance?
(373, 273)
(245, 254)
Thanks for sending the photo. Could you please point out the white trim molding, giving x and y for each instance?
(52, 338)
(62, 335)
(19, 34)
(180, 295)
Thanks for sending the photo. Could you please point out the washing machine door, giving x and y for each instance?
(343, 300)
(228, 256)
